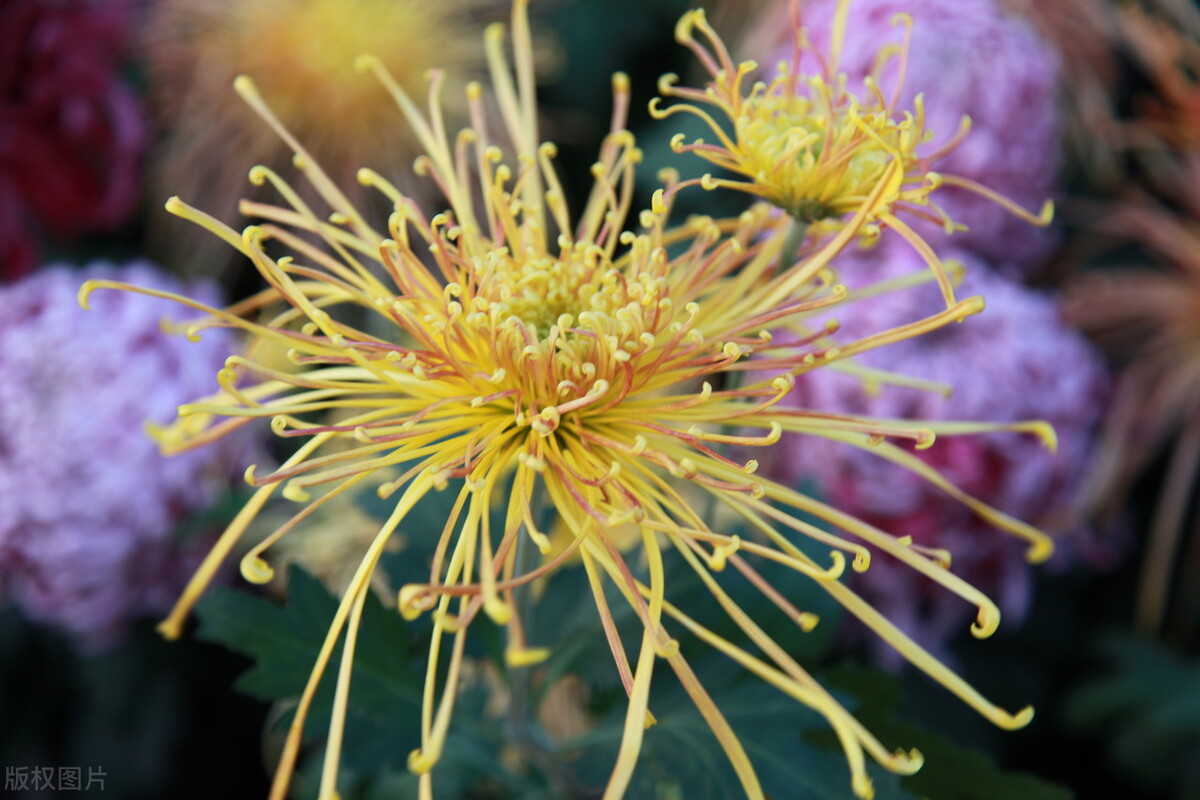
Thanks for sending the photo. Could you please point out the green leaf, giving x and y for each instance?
(1148, 706)
(283, 641)
(682, 758)
(951, 771)
(383, 721)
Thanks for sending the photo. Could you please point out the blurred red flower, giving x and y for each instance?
(71, 132)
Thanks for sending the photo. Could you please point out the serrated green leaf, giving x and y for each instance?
(383, 720)
(282, 640)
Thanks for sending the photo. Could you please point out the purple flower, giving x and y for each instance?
(88, 503)
(968, 57)
(1016, 361)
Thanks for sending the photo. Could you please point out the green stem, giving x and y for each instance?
(522, 730)
(796, 235)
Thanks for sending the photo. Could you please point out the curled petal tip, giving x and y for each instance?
(657, 205)
(683, 28)
(1016, 721)
(667, 649)
(1046, 214)
(907, 763)
(526, 656)
(170, 629)
(986, 622)
(968, 308)
(84, 292)
(498, 611)
(411, 601)
(1045, 431)
(838, 567)
(295, 493)
(256, 570)
(1040, 550)
(420, 762)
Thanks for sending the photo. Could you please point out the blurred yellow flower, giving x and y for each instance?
(301, 54)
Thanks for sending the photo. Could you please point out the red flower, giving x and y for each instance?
(71, 132)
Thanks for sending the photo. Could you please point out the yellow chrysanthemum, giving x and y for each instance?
(534, 354)
(808, 145)
(301, 55)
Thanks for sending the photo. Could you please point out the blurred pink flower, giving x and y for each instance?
(1016, 361)
(968, 57)
(87, 503)
(71, 133)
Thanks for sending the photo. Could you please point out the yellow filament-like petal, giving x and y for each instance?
(635, 722)
(172, 626)
(361, 579)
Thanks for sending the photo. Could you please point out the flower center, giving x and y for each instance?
(538, 290)
(814, 161)
(558, 333)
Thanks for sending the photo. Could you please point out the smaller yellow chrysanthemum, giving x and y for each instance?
(808, 145)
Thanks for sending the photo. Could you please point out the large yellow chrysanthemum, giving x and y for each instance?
(542, 356)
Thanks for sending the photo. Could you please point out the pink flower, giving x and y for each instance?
(71, 133)
(968, 57)
(87, 503)
(1015, 361)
